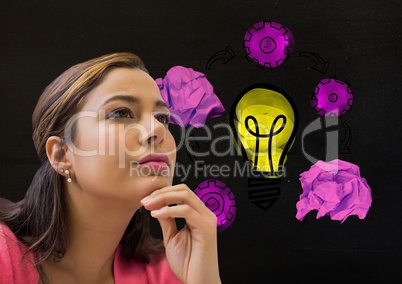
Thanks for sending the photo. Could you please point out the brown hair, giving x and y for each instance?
(39, 220)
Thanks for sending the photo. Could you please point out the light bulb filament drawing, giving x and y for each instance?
(269, 136)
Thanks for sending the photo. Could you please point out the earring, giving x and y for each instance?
(67, 172)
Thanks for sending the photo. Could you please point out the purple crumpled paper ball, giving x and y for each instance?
(334, 188)
(189, 96)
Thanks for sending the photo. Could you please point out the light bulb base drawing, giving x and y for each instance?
(264, 192)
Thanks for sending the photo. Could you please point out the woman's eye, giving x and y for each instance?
(163, 117)
(120, 113)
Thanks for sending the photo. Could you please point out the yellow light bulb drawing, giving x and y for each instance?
(264, 120)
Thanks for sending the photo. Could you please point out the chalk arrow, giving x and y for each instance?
(194, 146)
(319, 64)
(225, 55)
(346, 140)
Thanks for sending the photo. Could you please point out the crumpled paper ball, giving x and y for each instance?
(334, 188)
(189, 96)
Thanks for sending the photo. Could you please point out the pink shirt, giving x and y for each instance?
(14, 269)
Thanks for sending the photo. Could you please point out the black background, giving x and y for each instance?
(361, 40)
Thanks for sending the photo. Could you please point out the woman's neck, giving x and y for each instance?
(95, 232)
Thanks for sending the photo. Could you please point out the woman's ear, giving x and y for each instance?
(56, 152)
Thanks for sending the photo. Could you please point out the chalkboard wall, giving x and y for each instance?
(360, 41)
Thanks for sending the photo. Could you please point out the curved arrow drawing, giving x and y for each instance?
(194, 146)
(227, 55)
(320, 65)
(346, 141)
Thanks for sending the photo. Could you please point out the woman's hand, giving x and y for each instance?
(191, 251)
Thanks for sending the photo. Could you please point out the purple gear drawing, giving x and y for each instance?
(268, 43)
(332, 97)
(219, 198)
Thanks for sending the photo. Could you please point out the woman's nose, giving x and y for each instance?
(154, 133)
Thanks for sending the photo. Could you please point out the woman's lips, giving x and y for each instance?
(154, 158)
(157, 162)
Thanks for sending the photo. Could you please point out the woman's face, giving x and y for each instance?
(123, 149)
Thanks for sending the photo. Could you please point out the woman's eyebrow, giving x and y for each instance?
(160, 103)
(133, 100)
(126, 98)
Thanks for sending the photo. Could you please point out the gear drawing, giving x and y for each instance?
(332, 97)
(219, 198)
(268, 43)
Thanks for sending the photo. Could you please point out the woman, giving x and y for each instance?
(101, 132)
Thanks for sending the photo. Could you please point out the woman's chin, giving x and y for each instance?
(155, 182)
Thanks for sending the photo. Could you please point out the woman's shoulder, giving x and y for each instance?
(17, 264)
(157, 271)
